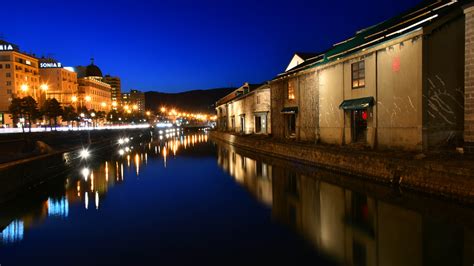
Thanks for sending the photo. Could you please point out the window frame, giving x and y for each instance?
(358, 68)
(290, 96)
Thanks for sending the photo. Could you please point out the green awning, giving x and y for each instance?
(289, 110)
(357, 104)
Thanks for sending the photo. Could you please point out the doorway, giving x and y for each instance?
(258, 124)
(291, 125)
(359, 125)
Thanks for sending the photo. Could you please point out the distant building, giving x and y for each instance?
(115, 90)
(134, 101)
(61, 83)
(398, 84)
(19, 77)
(93, 92)
(246, 110)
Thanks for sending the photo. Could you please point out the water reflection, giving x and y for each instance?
(350, 226)
(88, 185)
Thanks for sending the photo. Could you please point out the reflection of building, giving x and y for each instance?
(61, 82)
(93, 93)
(19, 77)
(245, 110)
(115, 90)
(397, 84)
(356, 229)
(254, 175)
(134, 100)
(351, 227)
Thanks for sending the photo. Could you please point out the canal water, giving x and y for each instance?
(185, 199)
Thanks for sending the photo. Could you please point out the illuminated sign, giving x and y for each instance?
(6, 47)
(51, 65)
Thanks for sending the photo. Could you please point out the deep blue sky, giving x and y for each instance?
(181, 45)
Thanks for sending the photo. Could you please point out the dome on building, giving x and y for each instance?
(93, 71)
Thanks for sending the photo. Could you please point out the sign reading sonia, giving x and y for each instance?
(51, 65)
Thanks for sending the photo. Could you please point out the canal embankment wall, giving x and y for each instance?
(447, 176)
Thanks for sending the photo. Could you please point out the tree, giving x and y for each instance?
(114, 116)
(69, 114)
(24, 109)
(52, 109)
(17, 112)
(30, 109)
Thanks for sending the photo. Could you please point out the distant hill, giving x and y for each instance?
(196, 101)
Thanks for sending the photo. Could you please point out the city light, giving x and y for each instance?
(85, 172)
(44, 87)
(84, 154)
(88, 98)
(24, 87)
(74, 99)
(103, 104)
(114, 104)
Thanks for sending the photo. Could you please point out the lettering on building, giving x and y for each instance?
(6, 47)
(50, 65)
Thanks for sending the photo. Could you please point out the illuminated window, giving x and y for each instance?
(291, 91)
(358, 75)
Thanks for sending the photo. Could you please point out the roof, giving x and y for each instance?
(306, 56)
(420, 16)
(238, 93)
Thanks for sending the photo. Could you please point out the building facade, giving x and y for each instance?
(115, 90)
(246, 110)
(393, 85)
(60, 83)
(19, 77)
(93, 93)
(134, 101)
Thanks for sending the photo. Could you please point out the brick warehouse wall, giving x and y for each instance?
(469, 79)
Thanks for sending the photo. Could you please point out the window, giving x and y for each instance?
(9, 91)
(1, 66)
(258, 99)
(9, 83)
(7, 65)
(358, 75)
(8, 75)
(291, 90)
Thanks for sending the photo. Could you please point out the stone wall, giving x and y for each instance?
(469, 79)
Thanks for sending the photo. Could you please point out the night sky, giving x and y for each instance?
(175, 46)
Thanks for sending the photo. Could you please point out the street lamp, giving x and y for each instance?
(24, 88)
(44, 87)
